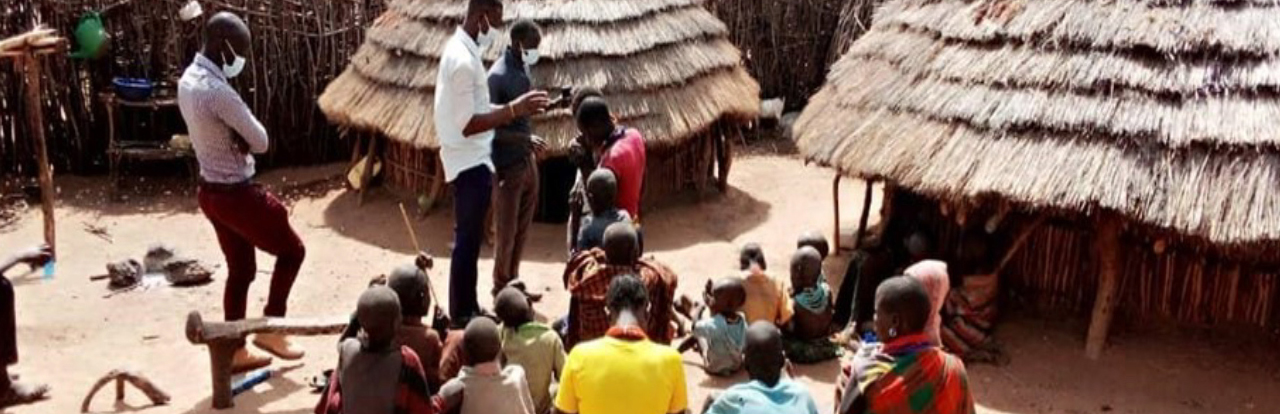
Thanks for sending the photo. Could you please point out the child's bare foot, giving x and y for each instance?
(22, 393)
(279, 345)
(245, 361)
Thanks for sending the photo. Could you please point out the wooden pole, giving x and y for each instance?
(35, 115)
(367, 173)
(1107, 255)
(835, 200)
(866, 213)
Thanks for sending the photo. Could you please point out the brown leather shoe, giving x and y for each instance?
(244, 361)
(279, 345)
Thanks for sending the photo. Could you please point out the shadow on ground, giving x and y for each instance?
(671, 225)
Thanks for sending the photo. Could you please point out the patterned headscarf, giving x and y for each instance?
(933, 275)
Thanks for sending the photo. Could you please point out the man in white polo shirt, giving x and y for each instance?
(465, 121)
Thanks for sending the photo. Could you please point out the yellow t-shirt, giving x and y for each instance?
(613, 376)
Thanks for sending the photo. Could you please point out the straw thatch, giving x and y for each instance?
(1163, 111)
(665, 66)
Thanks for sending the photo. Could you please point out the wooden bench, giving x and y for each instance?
(224, 338)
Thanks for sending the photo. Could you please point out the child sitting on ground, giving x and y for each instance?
(767, 298)
(768, 392)
(375, 375)
(807, 334)
(484, 386)
(410, 285)
(533, 346)
(602, 194)
(816, 240)
(721, 336)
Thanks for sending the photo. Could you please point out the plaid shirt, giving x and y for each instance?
(588, 276)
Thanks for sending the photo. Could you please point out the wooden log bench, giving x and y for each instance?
(224, 338)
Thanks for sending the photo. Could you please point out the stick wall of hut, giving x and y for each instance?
(1162, 279)
(298, 47)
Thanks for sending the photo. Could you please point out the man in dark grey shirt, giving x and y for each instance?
(516, 194)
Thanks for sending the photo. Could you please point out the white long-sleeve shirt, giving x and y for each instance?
(462, 92)
(215, 114)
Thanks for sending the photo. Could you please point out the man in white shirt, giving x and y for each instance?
(464, 121)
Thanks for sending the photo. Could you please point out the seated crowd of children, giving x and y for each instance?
(609, 354)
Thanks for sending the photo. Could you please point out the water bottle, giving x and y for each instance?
(48, 270)
(251, 380)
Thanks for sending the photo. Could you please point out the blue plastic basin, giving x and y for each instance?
(133, 89)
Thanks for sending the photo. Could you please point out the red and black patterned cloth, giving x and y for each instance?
(587, 277)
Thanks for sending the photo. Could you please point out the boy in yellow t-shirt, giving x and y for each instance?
(623, 372)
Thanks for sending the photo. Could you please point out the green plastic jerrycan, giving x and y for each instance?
(91, 36)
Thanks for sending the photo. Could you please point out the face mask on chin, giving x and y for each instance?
(237, 64)
(487, 36)
(530, 57)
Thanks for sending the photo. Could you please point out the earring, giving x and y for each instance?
(893, 332)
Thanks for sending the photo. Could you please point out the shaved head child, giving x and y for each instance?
(602, 194)
(816, 240)
(807, 339)
(375, 375)
(484, 386)
(767, 297)
(531, 345)
(410, 284)
(721, 335)
(768, 392)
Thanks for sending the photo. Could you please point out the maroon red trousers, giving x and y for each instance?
(246, 216)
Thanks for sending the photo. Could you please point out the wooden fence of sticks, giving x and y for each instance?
(298, 47)
(785, 42)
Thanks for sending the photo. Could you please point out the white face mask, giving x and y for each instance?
(236, 66)
(530, 57)
(487, 37)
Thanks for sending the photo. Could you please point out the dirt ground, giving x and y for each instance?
(71, 332)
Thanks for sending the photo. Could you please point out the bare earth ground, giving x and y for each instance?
(71, 333)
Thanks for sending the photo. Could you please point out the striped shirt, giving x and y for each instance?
(215, 114)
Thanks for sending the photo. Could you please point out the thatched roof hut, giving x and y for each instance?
(665, 66)
(1164, 114)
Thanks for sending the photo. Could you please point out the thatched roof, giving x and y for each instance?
(1165, 111)
(664, 65)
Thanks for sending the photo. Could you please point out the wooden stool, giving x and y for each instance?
(224, 338)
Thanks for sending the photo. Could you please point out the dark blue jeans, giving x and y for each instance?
(472, 190)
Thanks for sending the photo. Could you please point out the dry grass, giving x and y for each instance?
(666, 67)
(584, 11)
(426, 38)
(1165, 112)
(666, 115)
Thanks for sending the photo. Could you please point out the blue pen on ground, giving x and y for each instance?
(250, 380)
